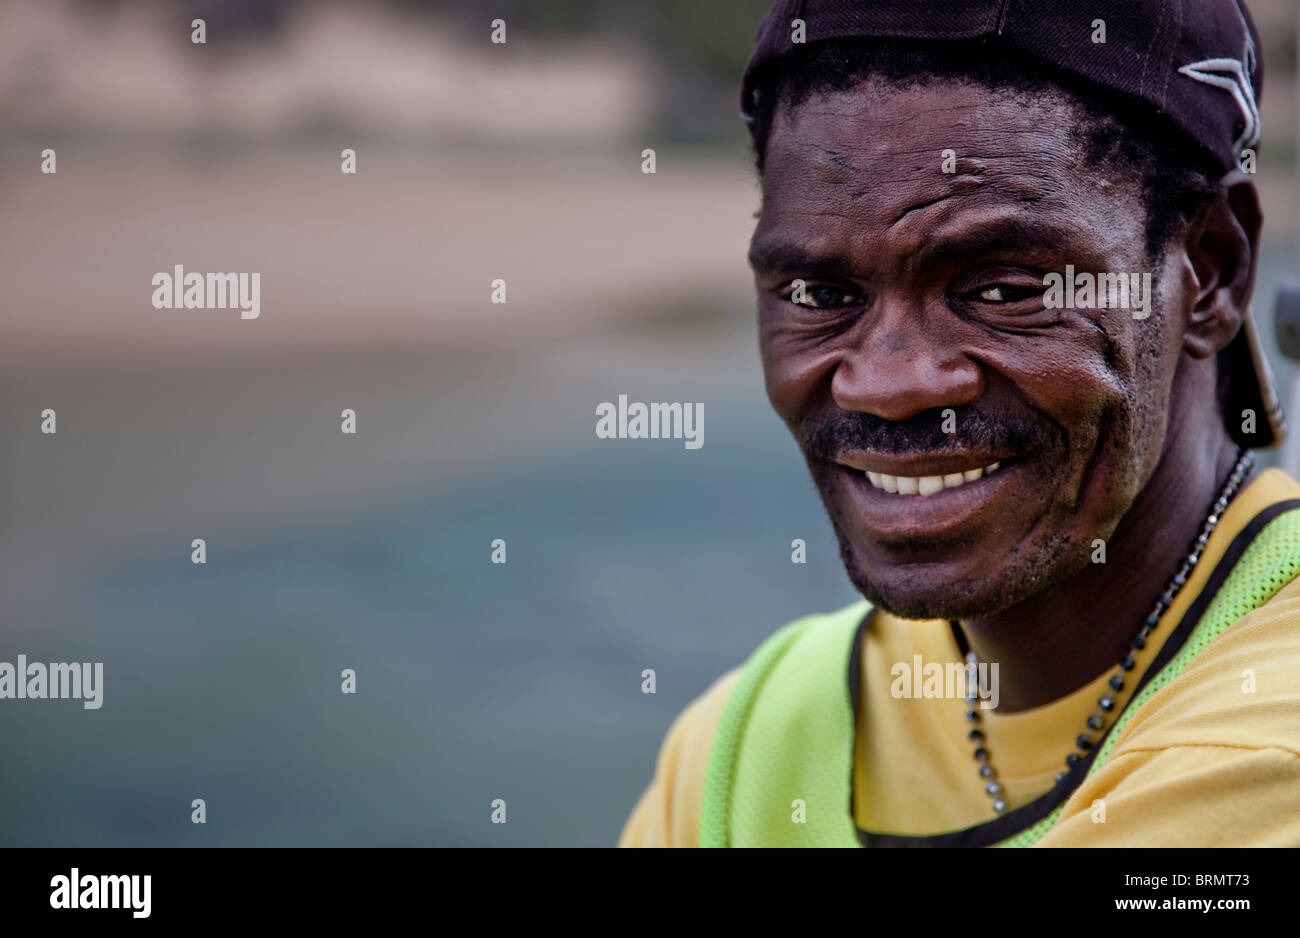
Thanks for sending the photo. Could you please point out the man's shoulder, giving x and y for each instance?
(1242, 689)
(1213, 758)
(668, 813)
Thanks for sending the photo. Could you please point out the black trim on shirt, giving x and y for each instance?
(1009, 825)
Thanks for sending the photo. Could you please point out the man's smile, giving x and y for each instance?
(906, 508)
(921, 475)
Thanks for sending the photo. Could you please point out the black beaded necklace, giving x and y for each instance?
(1106, 703)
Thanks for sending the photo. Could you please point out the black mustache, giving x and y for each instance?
(828, 436)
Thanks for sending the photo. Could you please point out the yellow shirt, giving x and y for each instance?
(1213, 759)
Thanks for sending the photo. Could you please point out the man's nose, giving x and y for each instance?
(899, 372)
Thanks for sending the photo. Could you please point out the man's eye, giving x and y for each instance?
(1005, 293)
(822, 297)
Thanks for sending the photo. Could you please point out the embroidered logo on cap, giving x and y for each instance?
(1233, 76)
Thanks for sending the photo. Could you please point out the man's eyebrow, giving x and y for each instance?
(784, 256)
(1005, 235)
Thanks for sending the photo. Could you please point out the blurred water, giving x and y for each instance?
(476, 681)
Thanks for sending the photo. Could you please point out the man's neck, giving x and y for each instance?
(1060, 640)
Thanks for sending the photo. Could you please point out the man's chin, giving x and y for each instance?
(935, 591)
(955, 602)
(913, 592)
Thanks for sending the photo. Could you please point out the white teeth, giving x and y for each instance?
(926, 485)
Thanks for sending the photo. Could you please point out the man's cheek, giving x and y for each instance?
(790, 388)
(778, 388)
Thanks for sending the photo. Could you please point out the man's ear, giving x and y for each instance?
(1222, 246)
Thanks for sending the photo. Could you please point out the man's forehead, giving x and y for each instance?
(877, 157)
(882, 127)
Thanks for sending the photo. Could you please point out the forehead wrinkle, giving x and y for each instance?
(907, 176)
(835, 159)
(856, 134)
(969, 179)
(1013, 172)
(992, 192)
(925, 161)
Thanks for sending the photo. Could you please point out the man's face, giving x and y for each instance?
(924, 348)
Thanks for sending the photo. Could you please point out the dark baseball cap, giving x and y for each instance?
(1196, 62)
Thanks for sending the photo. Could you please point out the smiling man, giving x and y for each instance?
(1049, 486)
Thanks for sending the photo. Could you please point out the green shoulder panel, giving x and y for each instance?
(779, 749)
